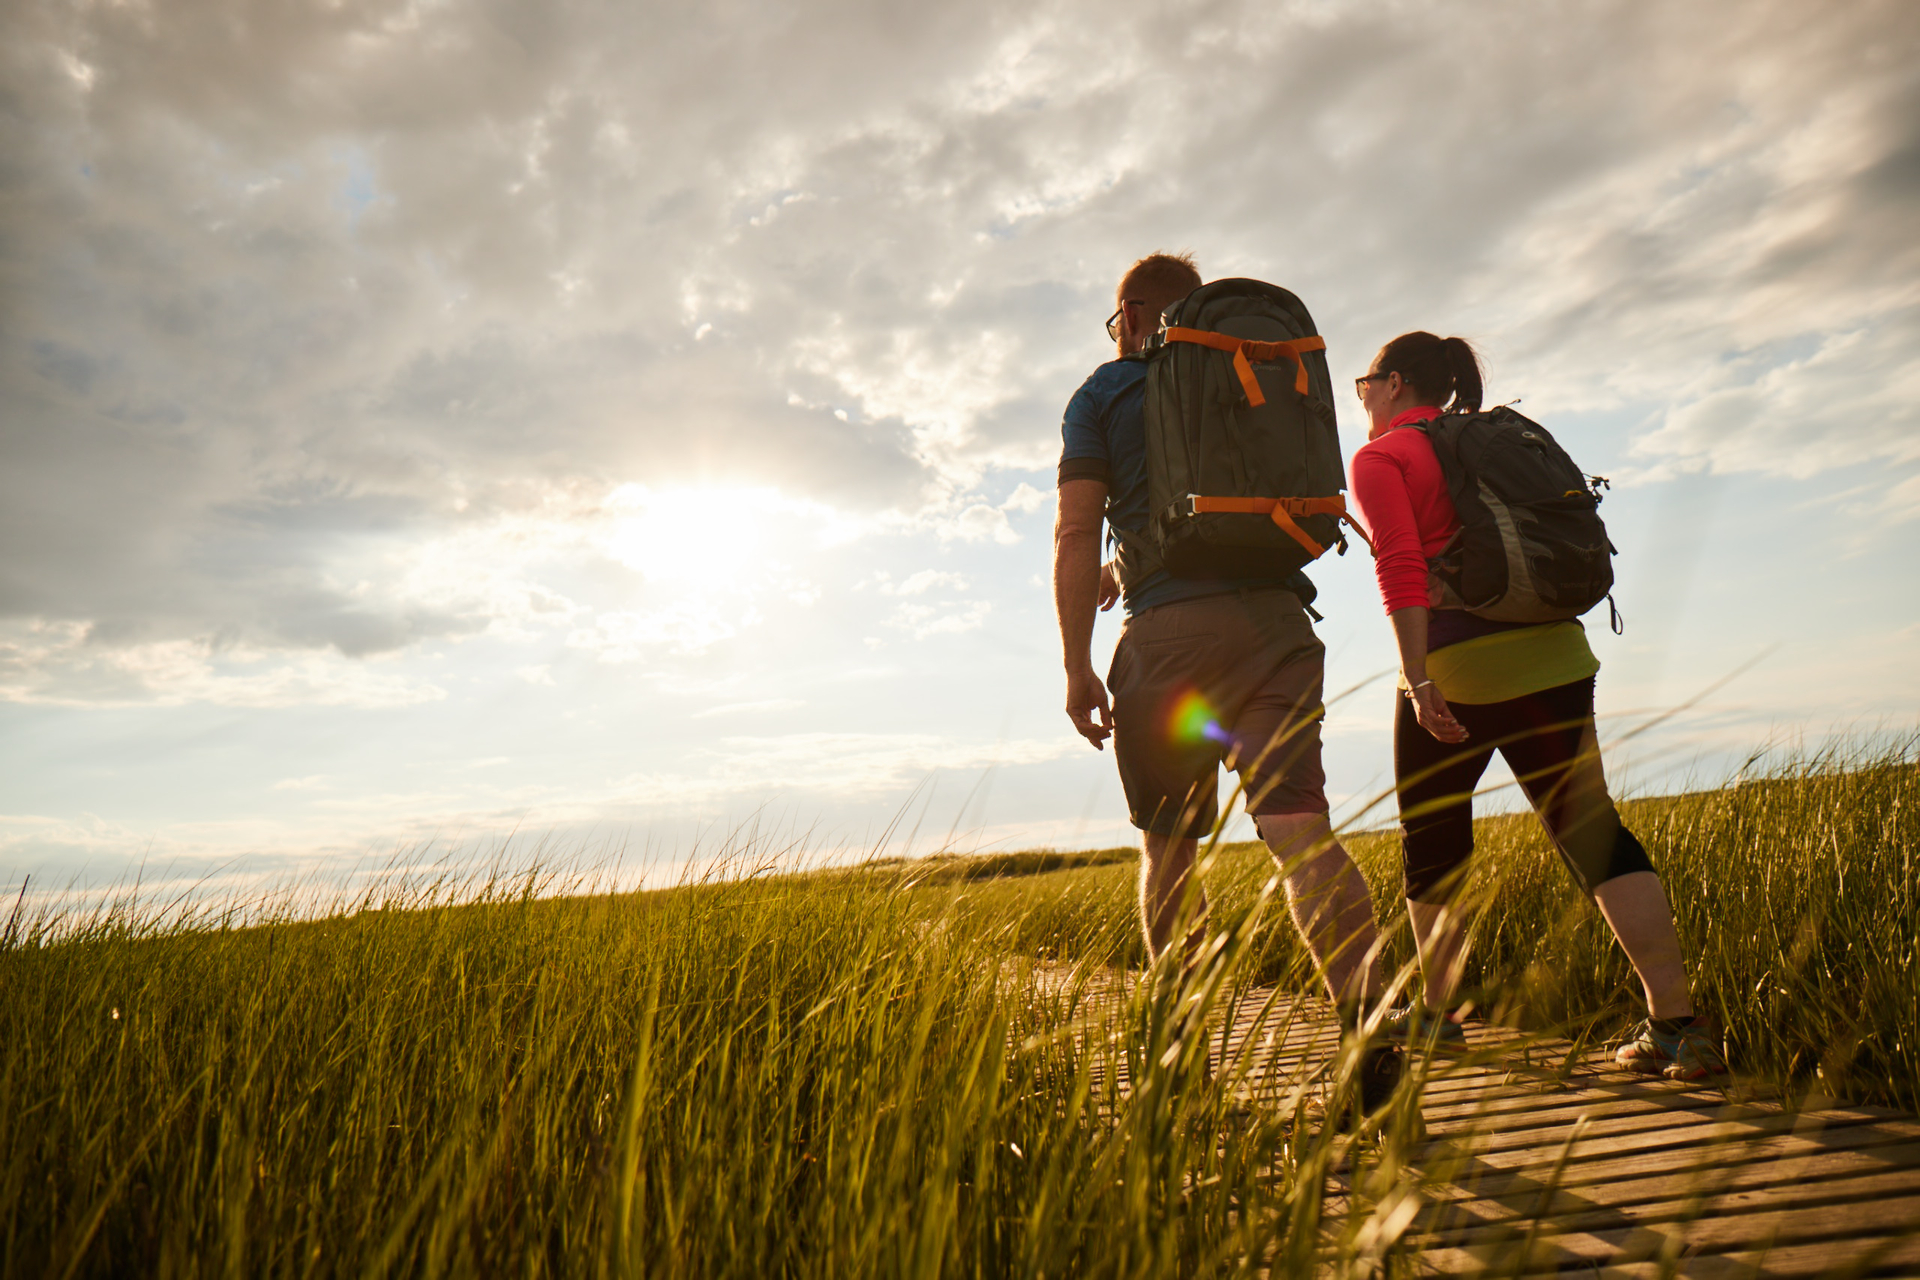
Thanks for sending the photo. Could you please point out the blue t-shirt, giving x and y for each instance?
(1105, 438)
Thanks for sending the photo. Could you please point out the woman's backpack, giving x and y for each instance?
(1244, 476)
(1531, 547)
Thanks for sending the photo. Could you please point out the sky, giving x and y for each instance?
(619, 430)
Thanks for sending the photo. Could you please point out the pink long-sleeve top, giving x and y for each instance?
(1402, 496)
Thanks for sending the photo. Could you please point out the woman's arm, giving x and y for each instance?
(1380, 491)
(1429, 708)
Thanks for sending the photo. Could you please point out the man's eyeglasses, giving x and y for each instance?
(1113, 321)
(1360, 383)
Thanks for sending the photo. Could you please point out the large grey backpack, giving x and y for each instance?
(1531, 547)
(1244, 476)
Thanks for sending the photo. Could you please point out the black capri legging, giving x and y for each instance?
(1541, 735)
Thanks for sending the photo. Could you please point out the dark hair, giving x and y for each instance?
(1444, 372)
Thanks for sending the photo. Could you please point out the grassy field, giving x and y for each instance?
(891, 1070)
(1795, 894)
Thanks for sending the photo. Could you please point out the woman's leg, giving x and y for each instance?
(1435, 781)
(1440, 936)
(1635, 905)
(1560, 769)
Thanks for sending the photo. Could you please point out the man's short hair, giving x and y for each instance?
(1160, 280)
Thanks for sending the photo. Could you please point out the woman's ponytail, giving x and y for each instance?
(1443, 372)
(1464, 365)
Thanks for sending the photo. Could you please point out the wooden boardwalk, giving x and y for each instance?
(1541, 1158)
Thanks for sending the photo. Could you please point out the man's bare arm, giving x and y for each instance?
(1076, 597)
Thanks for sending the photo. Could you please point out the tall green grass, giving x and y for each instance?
(815, 1076)
(1795, 896)
(1796, 892)
(892, 1070)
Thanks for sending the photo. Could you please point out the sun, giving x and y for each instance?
(716, 538)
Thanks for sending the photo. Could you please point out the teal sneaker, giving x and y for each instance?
(1691, 1052)
(1417, 1026)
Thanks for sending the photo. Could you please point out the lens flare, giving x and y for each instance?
(1193, 719)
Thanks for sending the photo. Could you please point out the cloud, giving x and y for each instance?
(923, 620)
(925, 580)
(63, 665)
(764, 706)
(979, 523)
(1856, 398)
(846, 765)
(1026, 499)
(329, 331)
(686, 628)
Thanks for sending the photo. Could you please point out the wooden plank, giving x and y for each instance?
(1462, 1088)
(1897, 1255)
(1517, 1113)
(1482, 1141)
(1450, 1077)
(1765, 1188)
(1835, 1224)
(1592, 1146)
(1629, 1172)
(1730, 1181)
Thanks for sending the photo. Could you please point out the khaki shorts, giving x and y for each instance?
(1233, 678)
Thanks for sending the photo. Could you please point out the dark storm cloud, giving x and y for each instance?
(284, 282)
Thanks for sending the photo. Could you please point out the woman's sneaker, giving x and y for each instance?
(1690, 1051)
(1416, 1026)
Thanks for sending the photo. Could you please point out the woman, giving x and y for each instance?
(1470, 686)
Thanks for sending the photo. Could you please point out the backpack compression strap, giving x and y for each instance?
(1246, 350)
(1282, 511)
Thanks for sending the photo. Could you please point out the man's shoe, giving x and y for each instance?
(1688, 1052)
(1377, 1075)
(1419, 1027)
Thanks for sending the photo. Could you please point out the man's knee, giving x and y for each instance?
(1306, 851)
(1169, 851)
(1299, 839)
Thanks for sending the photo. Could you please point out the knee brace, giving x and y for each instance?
(1621, 856)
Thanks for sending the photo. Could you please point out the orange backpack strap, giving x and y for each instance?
(1282, 512)
(1247, 350)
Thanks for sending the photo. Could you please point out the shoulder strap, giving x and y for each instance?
(1246, 350)
(1133, 558)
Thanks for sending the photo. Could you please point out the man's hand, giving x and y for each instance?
(1109, 587)
(1086, 699)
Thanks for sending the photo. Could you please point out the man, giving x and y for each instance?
(1206, 672)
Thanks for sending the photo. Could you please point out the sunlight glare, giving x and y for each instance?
(717, 538)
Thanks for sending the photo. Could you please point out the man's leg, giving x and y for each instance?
(1276, 751)
(1163, 657)
(1329, 901)
(1165, 865)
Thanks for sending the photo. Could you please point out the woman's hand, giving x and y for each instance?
(1109, 587)
(1430, 709)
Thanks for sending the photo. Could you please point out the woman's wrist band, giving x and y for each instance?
(1418, 687)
